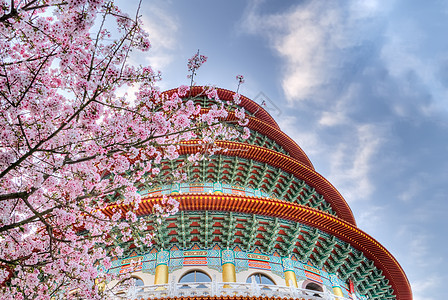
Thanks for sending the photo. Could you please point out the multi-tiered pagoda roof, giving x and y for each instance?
(262, 196)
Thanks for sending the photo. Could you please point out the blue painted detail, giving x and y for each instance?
(163, 257)
(278, 273)
(214, 253)
(227, 256)
(214, 263)
(244, 264)
(300, 273)
(175, 188)
(277, 269)
(149, 267)
(177, 253)
(240, 255)
(287, 264)
(241, 259)
(174, 268)
(204, 187)
(275, 259)
(326, 281)
(115, 263)
(334, 280)
(150, 256)
(217, 268)
(176, 262)
(217, 187)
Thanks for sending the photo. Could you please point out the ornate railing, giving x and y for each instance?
(214, 288)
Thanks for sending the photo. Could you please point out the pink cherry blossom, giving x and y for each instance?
(194, 63)
(183, 90)
(71, 147)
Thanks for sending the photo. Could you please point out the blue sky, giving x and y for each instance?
(362, 87)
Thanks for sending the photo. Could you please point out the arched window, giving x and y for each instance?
(260, 279)
(123, 286)
(138, 281)
(195, 276)
(314, 287)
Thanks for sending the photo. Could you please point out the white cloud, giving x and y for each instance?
(422, 288)
(309, 37)
(414, 46)
(329, 118)
(423, 259)
(369, 219)
(307, 140)
(420, 246)
(162, 27)
(362, 9)
(351, 163)
(415, 186)
(358, 117)
(336, 113)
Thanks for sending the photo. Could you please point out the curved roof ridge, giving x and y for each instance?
(224, 94)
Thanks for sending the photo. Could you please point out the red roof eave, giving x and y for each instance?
(223, 94)
(294, 212)
(287, 164)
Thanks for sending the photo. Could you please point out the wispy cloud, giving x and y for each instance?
(366, 84)
(422, 288)
(314, 39)
(369, 219)
(311, 38)
(350, 160)
(423, 258)
(163, 27)
(351, 164)
(308, 140)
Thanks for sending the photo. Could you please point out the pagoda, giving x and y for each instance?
(256, 220)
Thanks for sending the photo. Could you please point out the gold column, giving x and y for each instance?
(228, 267)
(161, 274)
(338, 292)
(291, 275)
(101, 285)
(288, 270)
(228, 272)
(163, 258)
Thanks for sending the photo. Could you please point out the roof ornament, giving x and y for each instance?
(267, 104)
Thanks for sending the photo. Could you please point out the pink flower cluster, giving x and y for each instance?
(71, 144)
(196, 62)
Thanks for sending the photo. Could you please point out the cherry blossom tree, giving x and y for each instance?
(70, 145)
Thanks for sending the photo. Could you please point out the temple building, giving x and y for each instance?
(257, 220)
